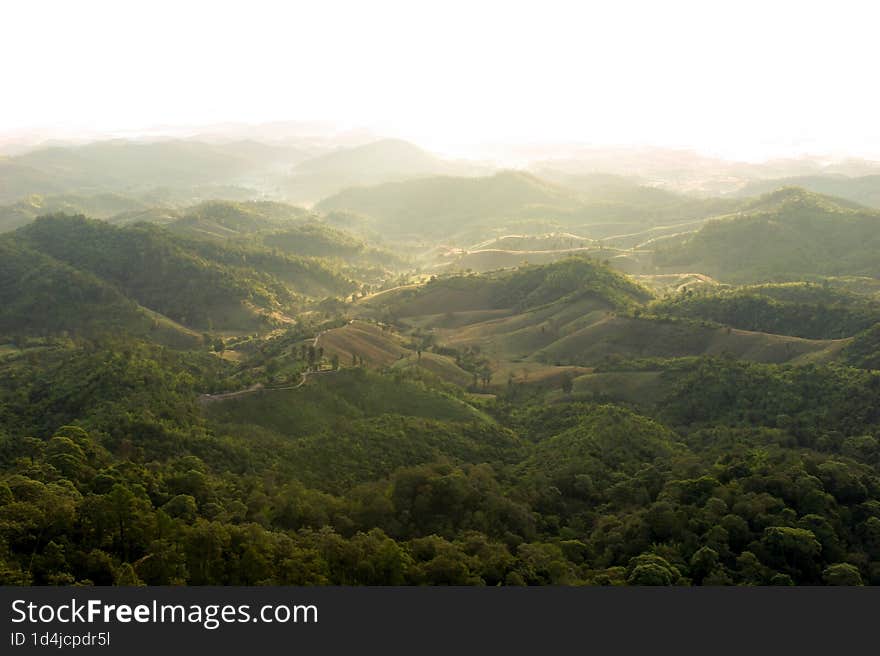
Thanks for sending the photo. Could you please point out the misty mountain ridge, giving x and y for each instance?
(787, 233)
(864, 189)
(386, 160)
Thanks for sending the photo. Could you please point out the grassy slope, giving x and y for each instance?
(368, 341)
(797, 309)
(642, 338)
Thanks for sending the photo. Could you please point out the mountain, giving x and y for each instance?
(290, 236)
(374, 163)
(441, 206)
(539, 425)
(194, 283)
(863, 189)
(99, 206)
(525, 288)
(621, 200)
(464, 210)
(127, 166)
(788, 234)
(318, 239)
(797, 309)
(226, 219)
(42, 296)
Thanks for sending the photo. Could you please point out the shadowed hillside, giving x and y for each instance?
(41, 296)
(162, 273)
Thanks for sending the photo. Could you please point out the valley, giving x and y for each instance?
(353, 361)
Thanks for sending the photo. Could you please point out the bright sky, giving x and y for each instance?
(738, 77)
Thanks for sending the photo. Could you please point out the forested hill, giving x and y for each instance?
(788, 234)
(112, 472)
(193, 283)
(41, 296)
(523, 290)
(227, 219)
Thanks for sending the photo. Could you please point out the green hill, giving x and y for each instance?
(864, 350)
(227, 219)
(309, 276)
(318, 239)
(315, 239)
(250, 393)
(492, 259)
(519, 290)
(99, 206)
(579, 313)
(602, 439)
(787, 235)
(290, 233)
(42, 296)
(337, 397)
(160, 272)
(376, 447)
(798, 309)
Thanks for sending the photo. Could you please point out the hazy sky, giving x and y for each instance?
(740, 78)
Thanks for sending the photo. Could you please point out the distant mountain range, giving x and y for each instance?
(378, 162)
(463, 209)
(864, 189)
(135, 167)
